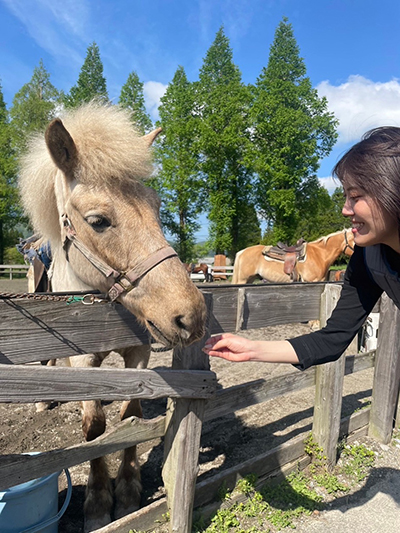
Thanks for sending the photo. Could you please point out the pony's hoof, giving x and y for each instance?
(91, 524)
(127, 497)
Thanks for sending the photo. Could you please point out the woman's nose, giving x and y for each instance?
(347, 209)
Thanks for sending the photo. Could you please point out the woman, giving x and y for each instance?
(370, 176)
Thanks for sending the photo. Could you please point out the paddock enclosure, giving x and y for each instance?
(36, 330)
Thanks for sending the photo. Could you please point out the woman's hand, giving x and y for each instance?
(238, 349)
(231, 347)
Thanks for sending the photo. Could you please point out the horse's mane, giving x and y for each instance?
(327, 237)
(111, 152)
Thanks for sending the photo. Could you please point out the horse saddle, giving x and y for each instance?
(289, 255)
(37, 252)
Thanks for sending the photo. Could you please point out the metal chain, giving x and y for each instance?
(86, 299)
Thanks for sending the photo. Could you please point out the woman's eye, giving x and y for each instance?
(98, 222)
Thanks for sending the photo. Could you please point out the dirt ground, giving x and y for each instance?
(225, 441)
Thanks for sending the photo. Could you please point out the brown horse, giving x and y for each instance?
(251, 264)
(82, 187)
(193, 268)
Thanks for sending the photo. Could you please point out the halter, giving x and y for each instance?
(123, 281)
(347, 243)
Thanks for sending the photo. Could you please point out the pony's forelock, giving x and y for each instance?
(110, 151)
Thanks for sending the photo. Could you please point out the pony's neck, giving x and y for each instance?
(63, 278)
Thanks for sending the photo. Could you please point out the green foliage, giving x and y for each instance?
(10, 211)
(292, 131)
(358, 460)
(91, 82)
(223, 104)
(272, 505)
(33, 106)
(331, 483)
(132, 98)
(178, 181)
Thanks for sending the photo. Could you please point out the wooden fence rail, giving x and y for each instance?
(34, 330)
(13, 269)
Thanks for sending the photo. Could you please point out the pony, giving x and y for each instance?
(251, 263)
(193, 268)
(82, 185)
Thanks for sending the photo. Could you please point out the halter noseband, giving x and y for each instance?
(124, 281)
(347, 243)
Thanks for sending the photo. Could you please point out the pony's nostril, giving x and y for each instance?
(183, 329)
(189, 329)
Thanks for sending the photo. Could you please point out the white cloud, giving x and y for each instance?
(361, 104)
(51, 24)
(329, 183)
(153, 92)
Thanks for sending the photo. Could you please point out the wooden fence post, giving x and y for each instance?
(328, 388)
(182, 438)
(387, 372)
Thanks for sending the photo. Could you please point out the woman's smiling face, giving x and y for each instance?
(370, 223)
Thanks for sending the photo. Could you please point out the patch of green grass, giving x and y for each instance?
(276, 506)
(357, 461)
(330, 483)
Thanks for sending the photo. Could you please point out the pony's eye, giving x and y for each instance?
(98, 222)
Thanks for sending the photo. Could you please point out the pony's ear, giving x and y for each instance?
(61, 147)
(151, 137)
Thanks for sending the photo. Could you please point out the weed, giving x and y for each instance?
(357, 459)
(331, 483)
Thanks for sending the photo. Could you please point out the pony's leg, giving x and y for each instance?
(99, 498)
(127, 484)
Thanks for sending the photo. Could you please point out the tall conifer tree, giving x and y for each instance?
(132, 98)
(292, 131)
(10, 211)
(178, 180)
(223, 103)
(34, 105)
(91, 83)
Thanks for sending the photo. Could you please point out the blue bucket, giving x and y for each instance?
(32, 507)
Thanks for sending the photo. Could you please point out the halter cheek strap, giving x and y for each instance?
(123, 281)
(347, 243)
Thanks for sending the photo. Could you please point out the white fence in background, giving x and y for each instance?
(13, 269)
(215, 270)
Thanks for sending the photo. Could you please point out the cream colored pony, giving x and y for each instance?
(251, 264)
(82, 187)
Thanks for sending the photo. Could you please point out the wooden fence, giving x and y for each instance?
(11, 270)
(53, 327)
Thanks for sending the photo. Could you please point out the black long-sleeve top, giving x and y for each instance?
(369, 273)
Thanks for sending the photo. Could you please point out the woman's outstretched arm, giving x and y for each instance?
(238, 349)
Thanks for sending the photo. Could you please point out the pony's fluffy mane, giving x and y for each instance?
(110, 151)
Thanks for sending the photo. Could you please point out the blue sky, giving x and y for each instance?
(351, 48)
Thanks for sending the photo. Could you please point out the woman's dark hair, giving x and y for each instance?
(373, 165)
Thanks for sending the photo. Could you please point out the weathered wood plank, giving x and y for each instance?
(15, 469)
(231, 399)
(387, 372)
(329, 388)
(34, 330)
(182, 438)
(29, 384)
(59, 330)
(241, 302)
(275, 305)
